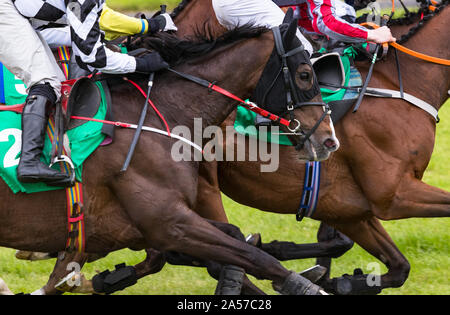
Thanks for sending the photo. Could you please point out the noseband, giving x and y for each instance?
(293, 99)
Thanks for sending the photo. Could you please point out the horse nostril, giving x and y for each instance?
(330, 144)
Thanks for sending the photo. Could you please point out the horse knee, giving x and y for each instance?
(342, 244)
(177, 231)
(336, 247)
(229, 229)
(398, 274)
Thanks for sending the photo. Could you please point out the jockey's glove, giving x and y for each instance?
(160, 23)
(151, 62)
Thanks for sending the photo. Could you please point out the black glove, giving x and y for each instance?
(152, 62)
(156, 24)
(161, 22)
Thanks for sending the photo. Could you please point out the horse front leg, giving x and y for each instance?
(108, 283)
(372, 237)
(169, 224)
(66, 275)
(336, 244)
(124, 277)
(331, 244)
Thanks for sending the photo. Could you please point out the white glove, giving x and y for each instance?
(170, 25)
(161, 23)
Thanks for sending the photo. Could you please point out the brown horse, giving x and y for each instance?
(359, 187)
(359, 198)
(151, 205)
(377, 173)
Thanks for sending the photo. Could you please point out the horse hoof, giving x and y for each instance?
(315, 273)
(254, 240)
(32, 256)
(231, 280)
(295, 284)
(75, 282)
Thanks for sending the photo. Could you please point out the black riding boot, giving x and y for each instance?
(34, 123)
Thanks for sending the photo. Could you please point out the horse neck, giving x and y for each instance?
(429, 82)
(237, 69)
(196, 16)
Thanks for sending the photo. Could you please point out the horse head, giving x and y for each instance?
(289, 87)
(194, 16)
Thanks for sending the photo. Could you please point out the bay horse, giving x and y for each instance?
(151, 205)
(358, 189)
(376, 175)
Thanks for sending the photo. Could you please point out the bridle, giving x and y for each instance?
(293, 99)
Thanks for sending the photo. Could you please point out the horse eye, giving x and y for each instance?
(304, 76)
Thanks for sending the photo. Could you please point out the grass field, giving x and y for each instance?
(425, 242)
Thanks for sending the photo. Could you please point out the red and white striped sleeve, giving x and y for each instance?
(325, 21)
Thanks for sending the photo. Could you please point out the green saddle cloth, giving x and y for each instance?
(245, 119)
(84, 140)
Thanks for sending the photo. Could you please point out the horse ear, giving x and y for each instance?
(291, 32)
(289, 16)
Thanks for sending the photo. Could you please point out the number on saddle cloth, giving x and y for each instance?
(12, 90)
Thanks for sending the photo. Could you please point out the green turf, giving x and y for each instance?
(425, 242)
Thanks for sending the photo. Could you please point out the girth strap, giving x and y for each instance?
(386, 93)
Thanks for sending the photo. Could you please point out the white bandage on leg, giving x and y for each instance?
(24, 52)
(233, 13)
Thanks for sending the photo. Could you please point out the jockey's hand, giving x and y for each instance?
(380, 35)
(163, 23)
(149, 63)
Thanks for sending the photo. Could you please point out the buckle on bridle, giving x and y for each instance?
(297, 128)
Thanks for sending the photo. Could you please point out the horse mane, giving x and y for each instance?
(179, 8)
(179, 50)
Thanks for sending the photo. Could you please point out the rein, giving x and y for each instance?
(249, 105)
(293, 101)
(444, 62)
(401, 94)
(427, 5)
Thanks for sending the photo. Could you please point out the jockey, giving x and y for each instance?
(321, 18)
(336, 20)
(112, 23)
(316, 16)
(234, 13)
(27, 55)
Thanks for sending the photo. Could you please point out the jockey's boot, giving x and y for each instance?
(34, 123)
